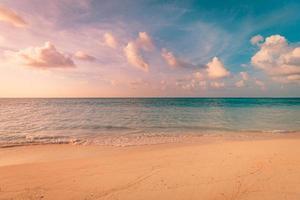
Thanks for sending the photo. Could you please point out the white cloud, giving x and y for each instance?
(256, 40)
(144, 41)
(9, 16)
(134, 57)
(204, 77)
(133, 51)
(215, 69)
(278, 59)
(110, 40)
(84, 56)
(46, 56)
(173, 61)
(217, 85)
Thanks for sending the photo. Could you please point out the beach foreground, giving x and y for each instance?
(211, 168)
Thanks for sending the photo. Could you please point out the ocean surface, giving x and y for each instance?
(123, 120)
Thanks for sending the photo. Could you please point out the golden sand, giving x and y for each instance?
(214, 169)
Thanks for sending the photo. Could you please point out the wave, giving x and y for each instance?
(125, 139)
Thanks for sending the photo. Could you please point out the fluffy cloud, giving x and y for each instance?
(279, 59)
(215, 69)
(245, 78)
(173, 61)
(9, 16)
(110, 40)
(46, 56)
(208, 76)
(133, 51)
(134, 57)
(255, 40)
(144, 41)
(169, 57)
(84, 56)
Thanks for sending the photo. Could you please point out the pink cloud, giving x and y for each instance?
(133, 51)
(144, 41)
(134, 57)
(187, 84)
(134, 84)
(9, 16)
(199, 76)
(46, 56)
(245, 78)
(278, 59)
(244, 75)
(176, 62)
(216, 69)
(260, 84)
(84, 56)
(217, 85)
(191, 83)
(240, 83)
(256, 40)
(110, 40)
(173, 61)
(169, 57)
(203, 77)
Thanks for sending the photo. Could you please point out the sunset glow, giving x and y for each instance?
(86, 48)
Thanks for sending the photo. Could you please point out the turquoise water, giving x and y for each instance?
(61, 120)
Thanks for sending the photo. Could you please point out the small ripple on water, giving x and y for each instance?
(117, 121)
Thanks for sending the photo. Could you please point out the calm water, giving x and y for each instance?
(61, 120)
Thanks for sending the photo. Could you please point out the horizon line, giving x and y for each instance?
(158, 97)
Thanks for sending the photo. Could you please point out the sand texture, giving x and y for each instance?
(265, 169)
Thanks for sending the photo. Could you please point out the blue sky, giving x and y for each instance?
(149, 48)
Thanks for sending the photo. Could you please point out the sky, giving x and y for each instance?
(143, 48)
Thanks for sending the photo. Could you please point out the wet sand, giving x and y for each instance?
(210, 168)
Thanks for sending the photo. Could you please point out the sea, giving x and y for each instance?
(131, 121)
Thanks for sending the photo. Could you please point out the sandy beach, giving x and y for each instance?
(149, 100)
(211, 168)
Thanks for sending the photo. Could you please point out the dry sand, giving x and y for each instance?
(215, 168)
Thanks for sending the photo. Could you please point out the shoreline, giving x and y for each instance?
(210, 168)
(150, 139)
